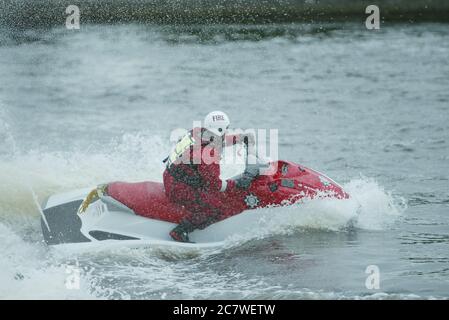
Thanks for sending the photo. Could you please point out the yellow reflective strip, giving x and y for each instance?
(181, 147)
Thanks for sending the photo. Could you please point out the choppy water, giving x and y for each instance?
(370, 109)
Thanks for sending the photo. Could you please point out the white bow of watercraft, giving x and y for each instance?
(108, 223)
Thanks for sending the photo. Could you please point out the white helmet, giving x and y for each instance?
(217, 122)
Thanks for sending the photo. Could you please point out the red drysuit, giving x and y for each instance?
(197, 187)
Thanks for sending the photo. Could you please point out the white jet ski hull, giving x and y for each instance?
(109, 224)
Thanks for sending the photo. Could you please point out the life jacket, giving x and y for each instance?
(183, 162)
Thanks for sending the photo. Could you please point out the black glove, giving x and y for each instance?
(252, 170)
(244, 182)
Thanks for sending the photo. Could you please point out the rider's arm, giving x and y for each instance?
(210, 174)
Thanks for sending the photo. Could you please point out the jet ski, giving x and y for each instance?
(140, 214)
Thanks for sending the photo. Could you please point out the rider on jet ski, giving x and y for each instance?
(192, 176)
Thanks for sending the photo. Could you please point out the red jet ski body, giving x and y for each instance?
(288, 183)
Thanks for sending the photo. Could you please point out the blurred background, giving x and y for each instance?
(48, 12)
